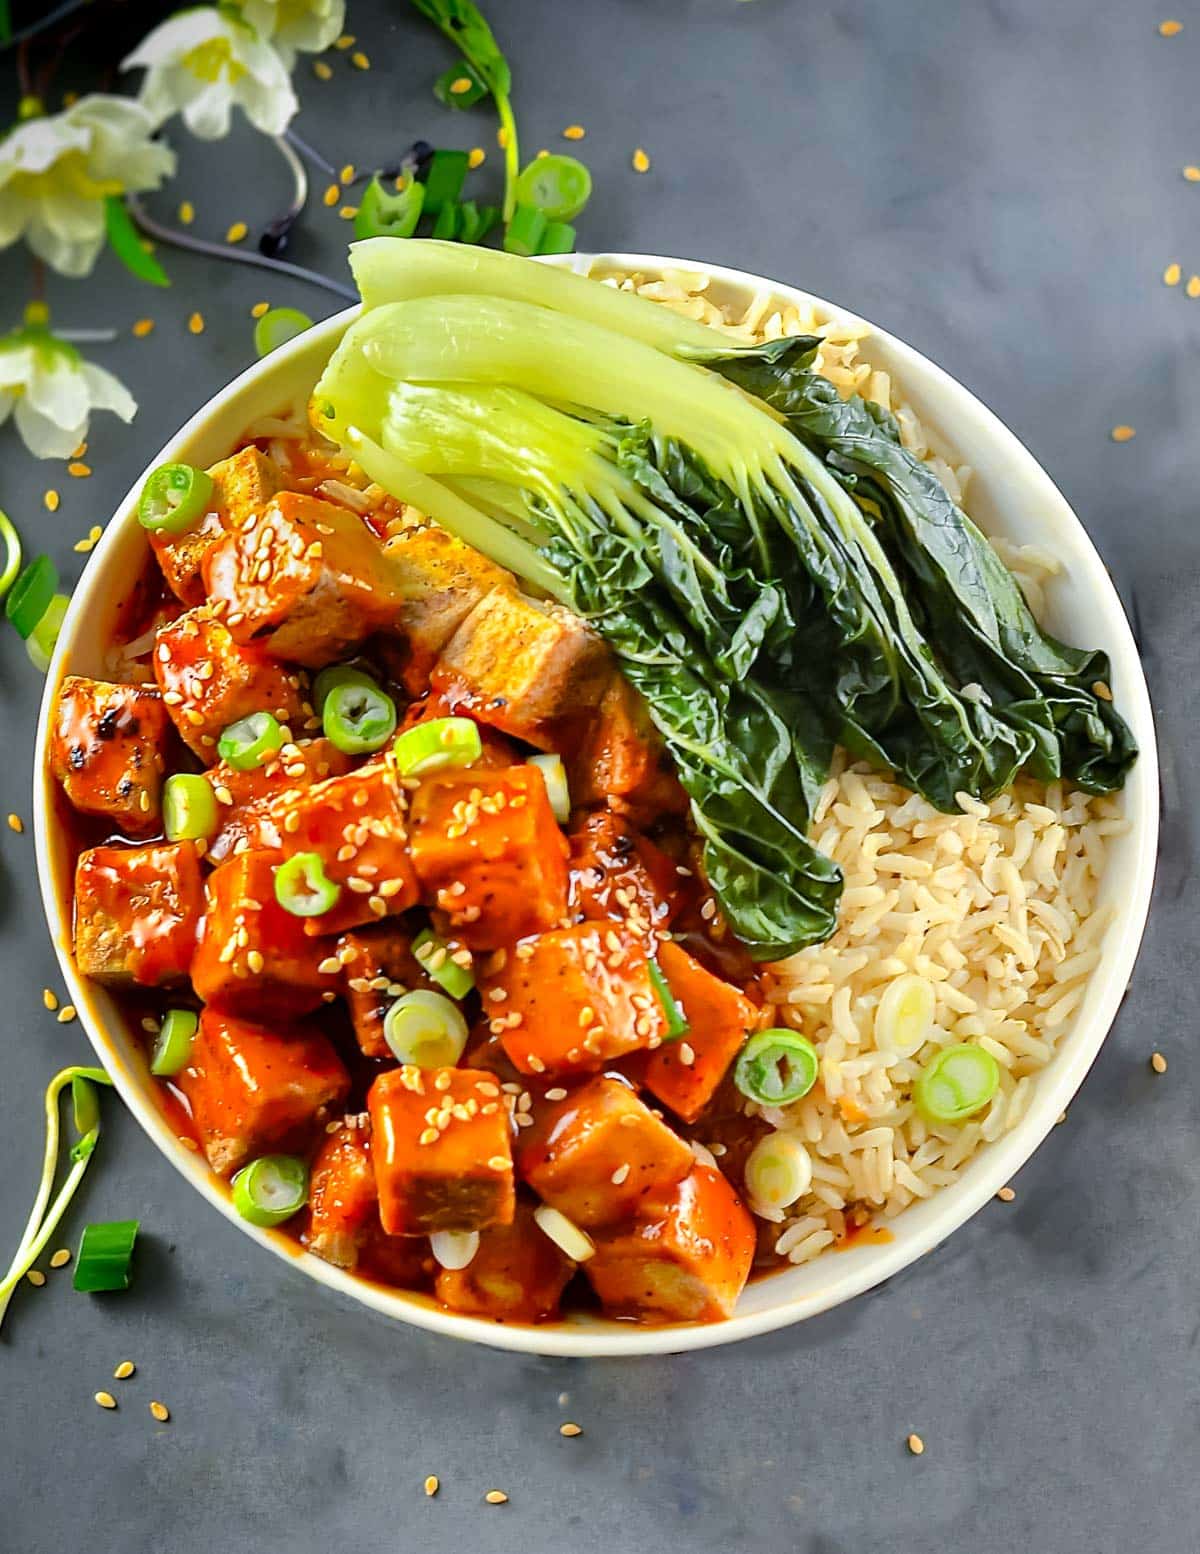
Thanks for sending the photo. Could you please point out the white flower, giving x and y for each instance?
(204, 62)
(55, 174)
(53, 390)
(296, 26)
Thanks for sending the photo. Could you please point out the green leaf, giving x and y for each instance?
(464, 25)
(128, 244)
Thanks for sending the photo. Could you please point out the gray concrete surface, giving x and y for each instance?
(997, 181)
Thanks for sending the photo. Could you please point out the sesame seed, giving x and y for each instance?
(348, 212)
(570, 1429)
(66, 1014)
(160, 1412)
(432, 1485)
(79, 471)
(50, 500)
(15, 823)
(143, 327)
(196, 323)
(502, 137)
(321, 70)
(254, 960)
(620, 1174)
(428, 1136)
(461, 84)
(187, 212)
(1169, 29)
(915, 1444)
(476, 156)
(1118, 434)
(1100, 689)
(36, 1277)
(641, 162)
(49, 999)
(1192, 174)
(1171, 275)
(346, 41)
(1193, 286)
(556, 1094)
(61, 1258)
(124, 1370)
(1158, 1063)
(687, 1054)
(106, 1400)
(360, 61)
(496, 1497)
(535, 1064)
(1006, 1195)
(332, 195)
(498, 1163)
(237, 232)
(347, 173)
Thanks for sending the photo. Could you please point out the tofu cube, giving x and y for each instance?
(242, 485)
(601, 1154)
(254, 959)
(685, 1261)
(246, 800)
(255, 1090)
(357, 824)
(441, 580)
(379, 965)
(440, 1141)
(487, 850)
(343, 1201)
(137, 913)
(519, 664)
(517, 1275)
(685, 1074)
(618, 754)
(108, 750)
(305, 578)
(575, 999)
(209, 681)
(619, 875)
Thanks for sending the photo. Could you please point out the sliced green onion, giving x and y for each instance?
(271, 1189)
(778, 1171)
(956, 1083)
(776, 1067)
(448, 974)
(444, 179)
(173, 1044)
(425, 1029)
(31, 595)
(12, 548)
(303, 888)
(445, 225)
(466, 97)
(382, 214)
(677, 1021)
(525, 231)
(175, 497)
(251, 741)
(335, 675)
(128, 243)
(189, 808)
(557, 790)
(565, 1234)
(905, 1015)
(454, 1249)
(475, 221)
(358, 718)
(558, 238)
(277, 326)
(432, 746)
(43, 638)
(559, 186)
(105, 1253)
(85, 1105)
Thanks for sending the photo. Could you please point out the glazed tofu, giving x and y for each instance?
(343, 1201)
(685, 1074)
(209, 681)
(255, 1090)
(137, 913)
(379, 966)
(254, 959)
(600, 1154)
(619, 755)
(441, 580)
(108, 749)
(250, 803)
(488, 851)
(357, 825)
(686, 1261)
(440, 1142)
(242, 486)
(574, 999)
(517, 1275)
(518, 664)
(617, 874)
(305, 578)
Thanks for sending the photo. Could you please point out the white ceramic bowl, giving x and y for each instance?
(1010, 495)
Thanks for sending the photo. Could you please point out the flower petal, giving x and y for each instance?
(107, 392)
(208, 114)
(66, 255)
(176, 36)
(44, 438)
(56, 387)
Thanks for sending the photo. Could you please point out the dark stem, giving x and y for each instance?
(24, 75)
(39, 280)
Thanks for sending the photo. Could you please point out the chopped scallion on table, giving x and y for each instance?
(42, 639)
(31, 594)
(444, 179)
(557, 185)
(383, 214)
(12, 552)
(105, 1255)
(525, 231)
(277, 326)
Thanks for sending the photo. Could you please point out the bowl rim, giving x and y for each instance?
(851, 1273)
